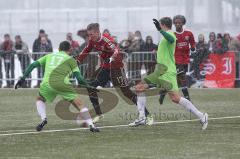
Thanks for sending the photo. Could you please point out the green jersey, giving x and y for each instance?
(165, 53)
(58, 67)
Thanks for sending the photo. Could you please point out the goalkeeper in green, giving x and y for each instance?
(165, 75)
(58, 67)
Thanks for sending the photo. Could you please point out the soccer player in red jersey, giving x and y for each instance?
(111, 68)
(185, 43)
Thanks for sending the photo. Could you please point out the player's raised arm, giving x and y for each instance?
(166, 35)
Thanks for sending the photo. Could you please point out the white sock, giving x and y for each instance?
(141, 104)
(190, 107)
(86, 116)
(41, 108)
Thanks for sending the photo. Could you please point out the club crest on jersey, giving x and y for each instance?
(187, 38)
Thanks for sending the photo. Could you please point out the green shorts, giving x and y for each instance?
(49, 94)
(163, 79)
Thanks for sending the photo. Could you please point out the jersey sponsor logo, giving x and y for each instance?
(181, 44)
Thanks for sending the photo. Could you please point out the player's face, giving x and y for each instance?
(93, 35)
(6, 38)
(201, 38)
(212, 37)
(163, 26)
(178, 24)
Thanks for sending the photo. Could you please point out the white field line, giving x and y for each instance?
(24, 132)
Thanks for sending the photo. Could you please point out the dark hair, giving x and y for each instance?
(138, 32)
(166, 21)
(181, 17)
(42, 31)
(64, 46)
(106, 31)
(212, 33)
(219, 35)
(93, 26)
(226, 34)
(6, 35)
(18, 36)
(148, 37)
(82, 33)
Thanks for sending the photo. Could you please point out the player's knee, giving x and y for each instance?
(175, 98)
(40, 98)
(77, 102)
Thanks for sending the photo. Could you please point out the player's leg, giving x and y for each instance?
(119, 80)
(176, 98)
(141, 91)
(84, 113)
(162, 92)
(46, 94)
(141, 104)
(102, 78)
(162, 96)
(182, 80)
(41, 108)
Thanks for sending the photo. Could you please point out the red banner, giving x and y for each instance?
(220, 71)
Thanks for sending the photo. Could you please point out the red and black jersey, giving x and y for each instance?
(105, 47)
(185, 41)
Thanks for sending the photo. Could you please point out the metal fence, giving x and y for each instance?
(136, 64)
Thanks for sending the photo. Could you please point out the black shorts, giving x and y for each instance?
(103, 76)
(181, 74)
(182, 68)
(119, 80)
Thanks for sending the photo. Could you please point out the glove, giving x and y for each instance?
(108, 60)
(193, 49)
(193, 52)
(157, 24)
(19, 83)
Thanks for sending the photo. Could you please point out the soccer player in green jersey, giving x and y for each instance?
(58, 66)
(164, 75)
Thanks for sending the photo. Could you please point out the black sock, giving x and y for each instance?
(146, 112)
(97, 109)
(162, 96)
(185, 93)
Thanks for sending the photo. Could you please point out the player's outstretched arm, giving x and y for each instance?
(80, 78)
(166, 35)
(84, 52)
(82, 81)
(26, 73)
